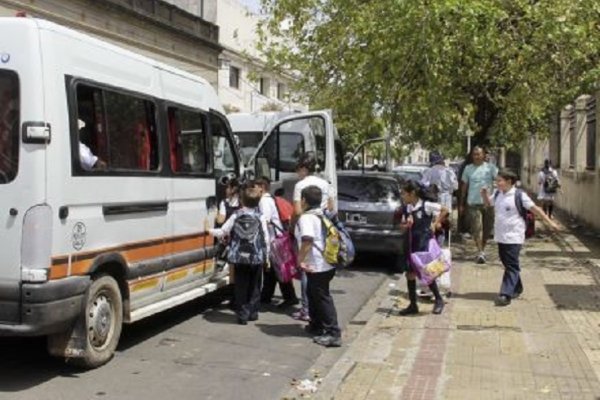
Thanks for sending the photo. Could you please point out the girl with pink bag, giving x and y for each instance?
(420, 218)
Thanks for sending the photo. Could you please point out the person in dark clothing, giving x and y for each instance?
(420, 217)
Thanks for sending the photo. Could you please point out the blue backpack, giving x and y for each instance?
(247, 243)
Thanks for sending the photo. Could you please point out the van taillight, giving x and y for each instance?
(21, 14)
(36, 244)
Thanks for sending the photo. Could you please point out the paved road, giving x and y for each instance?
(192, 352)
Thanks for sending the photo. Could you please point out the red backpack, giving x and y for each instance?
(285, 210)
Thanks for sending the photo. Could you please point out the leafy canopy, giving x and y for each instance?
(432, 68)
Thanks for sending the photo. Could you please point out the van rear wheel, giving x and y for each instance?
(103, 322)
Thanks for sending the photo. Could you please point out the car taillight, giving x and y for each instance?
(36, 244)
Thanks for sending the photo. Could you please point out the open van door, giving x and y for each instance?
(290, 137)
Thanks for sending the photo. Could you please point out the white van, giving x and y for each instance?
(107, 175)
(275, 156)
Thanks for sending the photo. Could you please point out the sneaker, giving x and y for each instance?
(301, 315)
(328, 341)
(502, 301)
(480, 258)
(438, 307)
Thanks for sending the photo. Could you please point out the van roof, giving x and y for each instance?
(256, 121)
(42, 24)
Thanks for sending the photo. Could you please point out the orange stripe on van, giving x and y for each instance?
(143, 285)
(132, 252)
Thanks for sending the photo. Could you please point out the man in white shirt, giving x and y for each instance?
(305, 168)
(509, 231)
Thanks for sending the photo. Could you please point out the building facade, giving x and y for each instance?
(574, 151)
(244, 85)
(153, 28)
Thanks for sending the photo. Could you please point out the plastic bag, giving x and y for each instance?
(429, 264)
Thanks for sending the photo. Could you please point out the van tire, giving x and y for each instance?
(103, 322)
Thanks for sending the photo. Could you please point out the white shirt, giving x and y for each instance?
(233, 202)
(268, 209)
(441, 176)
(321, 183)
(225, 230)
(310, 226)
(541, 178)
(509, 226)
(431, 208)
(86, 157)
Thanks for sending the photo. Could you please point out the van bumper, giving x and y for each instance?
(46, 308)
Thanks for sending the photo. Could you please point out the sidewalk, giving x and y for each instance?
(545, 345)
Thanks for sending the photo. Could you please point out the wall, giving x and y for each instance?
(239, 38)
(580, 184)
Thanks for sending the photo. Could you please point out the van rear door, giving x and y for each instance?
(22, 176)
(289, 138)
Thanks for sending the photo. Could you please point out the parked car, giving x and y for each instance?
(368, 204)
(411, 171)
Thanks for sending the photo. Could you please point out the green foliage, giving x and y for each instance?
(429, 68)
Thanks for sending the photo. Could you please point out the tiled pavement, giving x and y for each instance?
(545, 345)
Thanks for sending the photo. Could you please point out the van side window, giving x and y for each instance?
(9, 126)
(187, 140)
(117, 131)
(223, 151)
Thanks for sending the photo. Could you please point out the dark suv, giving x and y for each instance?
(368, 204)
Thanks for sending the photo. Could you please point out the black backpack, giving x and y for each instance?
(247, 243)
(551, 184)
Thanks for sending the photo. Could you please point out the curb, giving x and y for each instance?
(340, 362)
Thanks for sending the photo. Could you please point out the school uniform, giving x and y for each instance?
(248, 278)
(509, 233)
(321, 308)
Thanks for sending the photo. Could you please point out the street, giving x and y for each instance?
(196, 351)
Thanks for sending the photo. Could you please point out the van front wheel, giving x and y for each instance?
(103, 322)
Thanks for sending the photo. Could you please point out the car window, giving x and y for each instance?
(368, 188)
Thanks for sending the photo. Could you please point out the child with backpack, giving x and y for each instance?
(248, 252)
(269, 209)
(548, 186)
(420, 218)
(509, 230)
(312, 254)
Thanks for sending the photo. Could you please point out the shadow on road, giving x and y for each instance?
(575, 297)
(486, 296)
(282, 330)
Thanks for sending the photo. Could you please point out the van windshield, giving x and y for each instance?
(9, 125)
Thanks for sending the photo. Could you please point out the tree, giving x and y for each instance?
(431, 68)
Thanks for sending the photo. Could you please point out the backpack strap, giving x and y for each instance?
(519, 203)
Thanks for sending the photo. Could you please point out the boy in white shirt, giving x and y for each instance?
(311, 244)
(305, 168)
(509, 231)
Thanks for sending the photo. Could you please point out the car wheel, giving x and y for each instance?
(103, 322)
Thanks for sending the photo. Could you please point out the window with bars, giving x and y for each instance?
(234, 77)
(591, 134)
